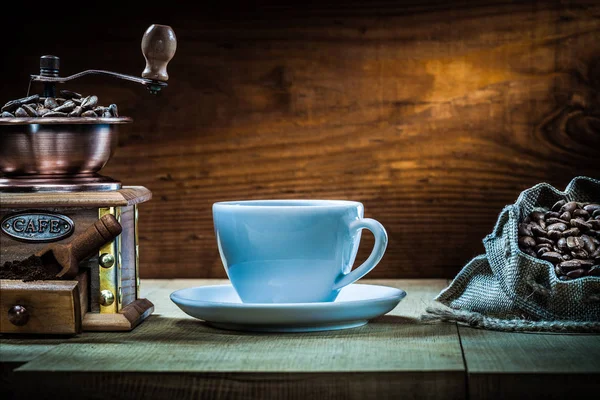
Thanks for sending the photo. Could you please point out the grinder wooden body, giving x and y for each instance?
(104, 295)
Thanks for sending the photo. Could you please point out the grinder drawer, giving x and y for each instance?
(48, 307)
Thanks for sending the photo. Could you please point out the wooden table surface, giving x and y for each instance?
(172, 355)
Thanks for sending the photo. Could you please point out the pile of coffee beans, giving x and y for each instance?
(567, 235)
(70, 104)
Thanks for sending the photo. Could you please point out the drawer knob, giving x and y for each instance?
(18, 315)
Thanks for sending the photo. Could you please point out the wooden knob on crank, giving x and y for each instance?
(158, 46)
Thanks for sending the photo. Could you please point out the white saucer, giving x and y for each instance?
(221, 307)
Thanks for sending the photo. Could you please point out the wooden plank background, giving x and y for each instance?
(433, 114)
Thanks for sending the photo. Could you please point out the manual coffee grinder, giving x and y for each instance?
(51, 190)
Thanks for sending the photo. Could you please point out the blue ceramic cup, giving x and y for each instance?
(293, 251)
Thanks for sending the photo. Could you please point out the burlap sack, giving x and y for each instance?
(507, 289)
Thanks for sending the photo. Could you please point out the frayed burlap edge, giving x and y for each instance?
(476, 320)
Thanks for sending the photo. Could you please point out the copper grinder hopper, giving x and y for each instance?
(67, 153)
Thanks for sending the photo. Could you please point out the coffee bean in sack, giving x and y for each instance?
(566, 235)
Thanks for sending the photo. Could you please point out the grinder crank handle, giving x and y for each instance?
(158, 46)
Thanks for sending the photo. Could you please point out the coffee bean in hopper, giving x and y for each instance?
(89, 102)
(30, 110)
(21, 113)
(114, 110)
(89, 114)
(566, 235)
(55, 114)
(67, 107)
(13, 105)
(76, 112)
(50, 103)
(71, 104)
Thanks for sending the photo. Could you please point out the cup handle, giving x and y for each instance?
(381, 240)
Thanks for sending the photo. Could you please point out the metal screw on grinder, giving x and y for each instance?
(107, 260)
(107, 298)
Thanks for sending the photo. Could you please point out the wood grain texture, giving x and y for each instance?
(124, 197)
(172, 354)
(433, 114)
(504, 365)
(125, 320)
(247, 386)
(211, 363)
(127, 256)
(180, 333)
(53, 306)
(83, 285)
